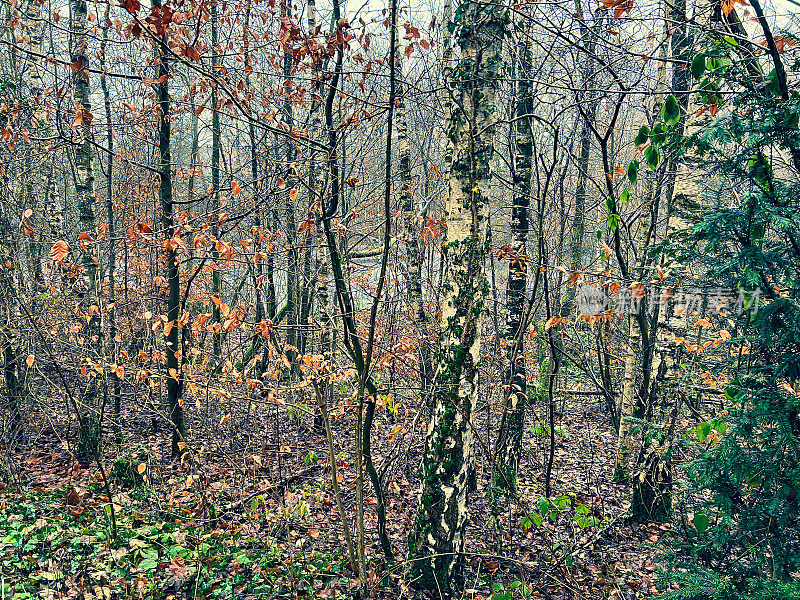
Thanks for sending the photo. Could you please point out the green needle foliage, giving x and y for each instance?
(740, 535)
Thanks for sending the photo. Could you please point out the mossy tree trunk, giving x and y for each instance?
(9, 334)
(436, 540)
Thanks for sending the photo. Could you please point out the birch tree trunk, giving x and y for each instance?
(43, 170)
(509, 439)
(90, 432)
(437, 536)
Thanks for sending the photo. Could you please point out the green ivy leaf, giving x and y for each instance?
(773, 87)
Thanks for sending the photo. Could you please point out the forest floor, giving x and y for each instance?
(248, 512)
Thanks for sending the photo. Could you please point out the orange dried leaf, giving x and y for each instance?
(59, 251)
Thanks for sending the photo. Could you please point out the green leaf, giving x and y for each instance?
(698, 66)
(148, 564)
(625, 195)
(703, 430)
(633, 171)
(643, 135)
(599, 234)
(543, 505)
(671, 111)
(659, 134)
(773, 87)
(612, 220)
(652, 157)
(609, 205)
(700, 522)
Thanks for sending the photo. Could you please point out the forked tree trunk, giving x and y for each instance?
(437, 539)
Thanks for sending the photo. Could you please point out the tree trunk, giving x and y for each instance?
(216, 275)
(290, 229)
(9, 333)
(412, 265)
(589, 40)
(651, 193)
(172, 351)
(90, 431)
(651, 498)
(437, 539)
(112, 280)
(43, 170)
(512, 424)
